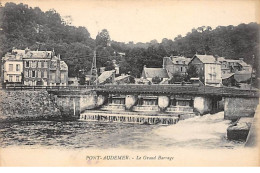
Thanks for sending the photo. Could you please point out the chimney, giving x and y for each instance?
(144, 66)
(216, 58)
(27, 50)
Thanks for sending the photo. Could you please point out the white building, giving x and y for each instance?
(208, 69)
(13, 67)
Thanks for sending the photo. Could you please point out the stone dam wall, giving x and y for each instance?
(28, 105)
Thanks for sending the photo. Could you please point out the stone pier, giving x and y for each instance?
(235, 108)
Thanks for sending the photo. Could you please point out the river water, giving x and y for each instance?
(208, 131)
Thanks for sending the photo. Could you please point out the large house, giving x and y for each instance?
(176, 64)
(150, 73)
(12, 67)
(208, 69)
(34, 68)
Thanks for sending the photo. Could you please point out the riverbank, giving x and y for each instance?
(28, 105)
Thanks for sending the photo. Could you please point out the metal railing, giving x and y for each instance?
(135, 88)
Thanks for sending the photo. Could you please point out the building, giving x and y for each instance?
(58, 75)
(36, 65)
(225, 67)
(124, 79)
(150, 73)
(12, 67)
(176, 64)
(34, 68)
(107, 77)
(208, 69)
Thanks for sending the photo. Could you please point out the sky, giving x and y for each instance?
(143, 21)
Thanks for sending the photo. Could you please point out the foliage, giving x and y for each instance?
(22, 26)
(177, 77)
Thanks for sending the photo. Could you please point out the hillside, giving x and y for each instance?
(22, 26)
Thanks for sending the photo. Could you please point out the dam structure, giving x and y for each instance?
(151, 104)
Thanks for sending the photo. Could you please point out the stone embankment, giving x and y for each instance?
(28, 105)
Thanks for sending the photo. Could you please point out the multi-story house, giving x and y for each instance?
(12, 67)
(58, 75)
(36, 67)
(176, 64)
(225, 68)
(208, 69)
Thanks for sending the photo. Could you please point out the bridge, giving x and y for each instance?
(152, 99)
(149, 89)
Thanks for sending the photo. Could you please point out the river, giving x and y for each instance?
(208, 131)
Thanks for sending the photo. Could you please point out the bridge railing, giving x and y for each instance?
(48, 88)
(138, 88)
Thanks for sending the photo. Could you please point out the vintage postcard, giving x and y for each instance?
(93, 83)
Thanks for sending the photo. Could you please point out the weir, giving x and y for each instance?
(163, 100)
(129, 117)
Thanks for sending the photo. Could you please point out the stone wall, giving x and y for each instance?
(27, 105)
(239, 107)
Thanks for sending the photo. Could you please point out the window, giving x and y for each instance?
(27, 64)
(53, 76)
(177, 62)
(33, 64)
(39, 64)
(17, 79)
(45, 64)
(30, 73)
(10, 67)
(11, 78)
(17, 67)
(39, 74)
(181, 68)
(45, 74)
(33, 73)
(62, 76)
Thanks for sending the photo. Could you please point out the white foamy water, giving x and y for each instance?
(198, 128)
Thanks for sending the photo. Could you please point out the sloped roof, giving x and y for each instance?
(242, 76)
(244, 64)
(206, 59)
(18, 51)
(227, 75)
(121, 77)
(105, 75)
(153, 72)
(63, 66)
(180, 59)
(222, 59)
(38, 54)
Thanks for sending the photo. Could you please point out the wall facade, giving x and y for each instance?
(17, 105)
(239, 107)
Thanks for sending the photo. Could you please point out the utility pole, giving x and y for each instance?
(94, 68)
(251, 79)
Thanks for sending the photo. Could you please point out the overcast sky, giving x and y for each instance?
(147, 20)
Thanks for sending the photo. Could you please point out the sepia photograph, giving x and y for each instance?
(94, 83)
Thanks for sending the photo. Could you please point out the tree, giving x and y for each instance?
(177, 77)
(103, 38)
(192, 72)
